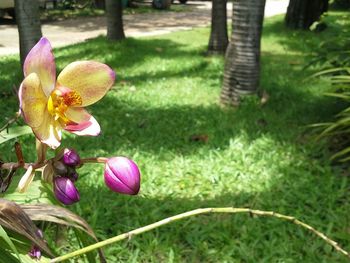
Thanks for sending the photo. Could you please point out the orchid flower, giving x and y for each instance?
(50, 106)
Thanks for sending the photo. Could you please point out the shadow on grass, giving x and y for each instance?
(151, 129)
(307, 41)
(316, 197)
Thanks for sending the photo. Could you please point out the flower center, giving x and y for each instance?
(60, 99)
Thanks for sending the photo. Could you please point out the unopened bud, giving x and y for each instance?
(70, 157)
(65, 191)
(122, 175)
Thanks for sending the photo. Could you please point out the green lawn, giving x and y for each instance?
(257, 157)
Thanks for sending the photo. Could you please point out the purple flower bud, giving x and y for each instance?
(59, 168)
(40, 233)
(35, 252)
(73, 176)
(70, 157)
(65, 191)
(122, 175)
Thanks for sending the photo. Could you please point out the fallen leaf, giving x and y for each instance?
(199, 138)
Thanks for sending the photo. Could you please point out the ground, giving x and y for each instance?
(72, 31)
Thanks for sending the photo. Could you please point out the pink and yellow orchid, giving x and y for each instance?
(49, 105)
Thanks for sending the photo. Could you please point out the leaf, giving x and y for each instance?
(14, 132)
(59, 215)
(14, 218)
(199, 138)
(9, 242)
(328, 71)
(6, 256)
(341, 153)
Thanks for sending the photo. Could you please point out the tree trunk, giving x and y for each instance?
(29, 27)
(218, 37)
(242, 61)
(114, 12)
(100, 4)
(301, 14)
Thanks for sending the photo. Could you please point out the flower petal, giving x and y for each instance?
(90, 79)
(48, 173)
(26, 179)
(84, 124)
(49, 132)
(32, 100)
(41, 61)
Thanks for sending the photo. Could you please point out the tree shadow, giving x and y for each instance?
(337, 24)
(311, 195)
(173, 127)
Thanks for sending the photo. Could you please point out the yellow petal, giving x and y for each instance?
(32, 100)
(77, 115)
(26, 179)
(41, 150)
(90, 79)
(49, 132)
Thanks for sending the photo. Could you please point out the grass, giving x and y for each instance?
(257, 157)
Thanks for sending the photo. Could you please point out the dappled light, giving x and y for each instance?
(163, 112)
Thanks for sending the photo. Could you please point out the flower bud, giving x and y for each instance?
(71, 174)
(35, 252)
(70, 157)
(74, 176)
(65, 191)
(122, 175)
(59, 168)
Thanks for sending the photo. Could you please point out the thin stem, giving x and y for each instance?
(94, 160)
(10, 166)
(200, 211)
(10, 121)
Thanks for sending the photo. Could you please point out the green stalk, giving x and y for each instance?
(200, 211)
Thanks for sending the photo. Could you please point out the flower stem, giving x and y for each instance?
(10, 166)
(200, 211)
(94, 160)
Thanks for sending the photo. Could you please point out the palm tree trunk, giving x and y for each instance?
(242, 61)
(301, 14)
(114, 12)
(218, 37)
(29, 27)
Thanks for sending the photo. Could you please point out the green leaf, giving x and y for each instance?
(14, 132)
(328, 71)
(6, 256)
(7, 239)
(37, 192)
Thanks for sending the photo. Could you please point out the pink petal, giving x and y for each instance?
(90, 79)
(41, 61)
(84, 123)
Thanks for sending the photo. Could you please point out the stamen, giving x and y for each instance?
(59, 101)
